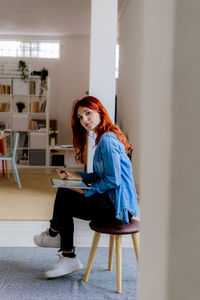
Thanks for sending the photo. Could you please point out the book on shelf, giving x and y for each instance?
(33, 125)
(1, 89)
(4, 89)
(32, 87)
(35, 107)
(37, 125)
(7, 89)
(4, 106)
(43, 106)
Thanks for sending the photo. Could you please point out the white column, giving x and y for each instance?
(155, 147)
(102, 58)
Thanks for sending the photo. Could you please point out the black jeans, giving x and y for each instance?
(69, 204)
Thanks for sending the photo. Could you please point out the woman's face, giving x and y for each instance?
(88, 118)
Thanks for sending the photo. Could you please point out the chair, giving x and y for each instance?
(115, 233)
(1, 152)
(11, 157)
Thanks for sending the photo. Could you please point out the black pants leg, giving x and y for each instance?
(69, 204)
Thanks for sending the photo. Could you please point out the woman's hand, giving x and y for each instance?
(81, 191)
(65, 174)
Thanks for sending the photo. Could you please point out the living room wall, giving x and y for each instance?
(129, 77)
(69, 77)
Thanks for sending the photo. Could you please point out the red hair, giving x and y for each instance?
(106, 125)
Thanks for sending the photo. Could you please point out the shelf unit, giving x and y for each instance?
(32, 122)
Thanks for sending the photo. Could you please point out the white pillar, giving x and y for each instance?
(155, 147)
(102, 58)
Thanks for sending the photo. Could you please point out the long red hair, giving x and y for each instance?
(106, 125)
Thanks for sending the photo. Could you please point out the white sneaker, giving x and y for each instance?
(45, 240)
(64, 266)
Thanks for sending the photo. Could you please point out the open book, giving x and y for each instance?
(68, 183)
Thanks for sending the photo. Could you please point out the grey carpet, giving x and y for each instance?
(22, 268)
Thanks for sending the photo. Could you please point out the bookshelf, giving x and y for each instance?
(32, 123)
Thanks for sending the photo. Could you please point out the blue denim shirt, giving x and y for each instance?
(112, 172)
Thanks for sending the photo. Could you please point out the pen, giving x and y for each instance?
(62, 171)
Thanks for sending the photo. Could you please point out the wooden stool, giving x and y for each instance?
(116, 233)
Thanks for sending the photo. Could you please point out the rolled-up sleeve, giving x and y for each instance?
(88, 177)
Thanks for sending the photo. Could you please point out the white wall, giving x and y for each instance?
(155, 147)
(69, 79)
(146, 35)
(73, 74)
(129, 76)
(169, 115)
(184, 256)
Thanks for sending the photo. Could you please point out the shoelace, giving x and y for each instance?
(60, 258)
(44, 233)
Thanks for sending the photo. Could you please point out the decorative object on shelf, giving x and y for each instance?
(22, 66)
(52, 141)
(1, 131)
(20, 106)
(52, 137)
(43, 80)
(2, 127)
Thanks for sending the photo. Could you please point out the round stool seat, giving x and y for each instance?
(132, 227)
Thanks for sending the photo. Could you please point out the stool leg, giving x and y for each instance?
(119, 262)
(135, 238)
(92, 254)
(111, 251)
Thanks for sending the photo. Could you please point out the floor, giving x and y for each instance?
(20, 233)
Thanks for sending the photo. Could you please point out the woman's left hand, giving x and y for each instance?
(81, 191)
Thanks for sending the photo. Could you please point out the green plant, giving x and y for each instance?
(22, 66)
(43, 78)
(53, 133)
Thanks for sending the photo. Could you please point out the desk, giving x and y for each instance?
(5, 150)
(69, 155)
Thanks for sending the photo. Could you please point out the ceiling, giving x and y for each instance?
(45, 17)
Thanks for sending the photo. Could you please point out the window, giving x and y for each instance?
(29, 49)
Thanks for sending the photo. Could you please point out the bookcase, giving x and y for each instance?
(32, 123)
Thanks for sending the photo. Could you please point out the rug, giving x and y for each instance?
(21, 276)
(33, 202)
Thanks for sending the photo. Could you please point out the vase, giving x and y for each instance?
(52, 141)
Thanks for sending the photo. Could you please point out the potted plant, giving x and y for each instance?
(20, 106)
(22, 66)
(43, 80)
(52, 135)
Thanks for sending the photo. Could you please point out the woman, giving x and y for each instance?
(112, 198)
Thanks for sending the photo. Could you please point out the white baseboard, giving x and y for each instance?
(20, 234)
